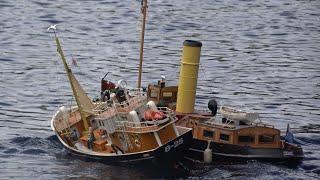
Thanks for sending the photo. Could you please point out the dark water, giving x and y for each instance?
(263, 55)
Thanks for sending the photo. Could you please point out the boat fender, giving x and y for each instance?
(153, 115)
(133, 115)
(207, 154)
(213, 106)
(158, 115)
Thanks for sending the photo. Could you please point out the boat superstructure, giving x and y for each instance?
(235, 139)
(118, 129)
(122, 126)
(234, 134)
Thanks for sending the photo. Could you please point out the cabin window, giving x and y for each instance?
(154, 93)
(266, 138)
(224, 137)
(167, 94)
(99, 123)
(208, 134)
(102, 123)
(245, 139)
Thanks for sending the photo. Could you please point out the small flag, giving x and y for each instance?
(289, 135)
(74, 61)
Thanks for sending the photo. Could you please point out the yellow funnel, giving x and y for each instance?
(188, 76)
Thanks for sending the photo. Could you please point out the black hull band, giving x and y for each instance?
(232, 152)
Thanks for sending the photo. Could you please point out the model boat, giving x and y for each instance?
(242, 139)
(118, 129)
(237, 134)
(122, 126)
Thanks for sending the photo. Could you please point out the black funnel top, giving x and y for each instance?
(192, 43)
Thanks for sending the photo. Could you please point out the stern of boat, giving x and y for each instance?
(293, 151)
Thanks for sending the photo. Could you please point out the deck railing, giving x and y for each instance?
(169, 115)
(110, 108)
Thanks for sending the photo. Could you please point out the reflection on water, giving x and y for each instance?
(261, 55)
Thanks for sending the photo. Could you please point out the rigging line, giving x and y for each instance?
(57, 77)
(124, 62)
(87, 76)
(205, 77)
(71, 101)
(170, 75)
(175, 72)
(202, 69)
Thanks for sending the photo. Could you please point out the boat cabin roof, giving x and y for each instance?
(229, 126)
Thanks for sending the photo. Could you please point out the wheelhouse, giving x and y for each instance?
(255, 136)
(162, 95)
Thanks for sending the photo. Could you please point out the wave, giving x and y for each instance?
(31, 145)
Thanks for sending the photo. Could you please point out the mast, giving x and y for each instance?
(144, 6)
(85, 106)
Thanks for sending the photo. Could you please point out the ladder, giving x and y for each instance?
(122, 128)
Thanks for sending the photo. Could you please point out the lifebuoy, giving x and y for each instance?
(122, 84)
(153, 115)
(148, 115)
(158, 115)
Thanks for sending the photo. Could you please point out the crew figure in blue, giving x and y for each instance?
(91, 138)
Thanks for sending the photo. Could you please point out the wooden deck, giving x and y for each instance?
(61, 124)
